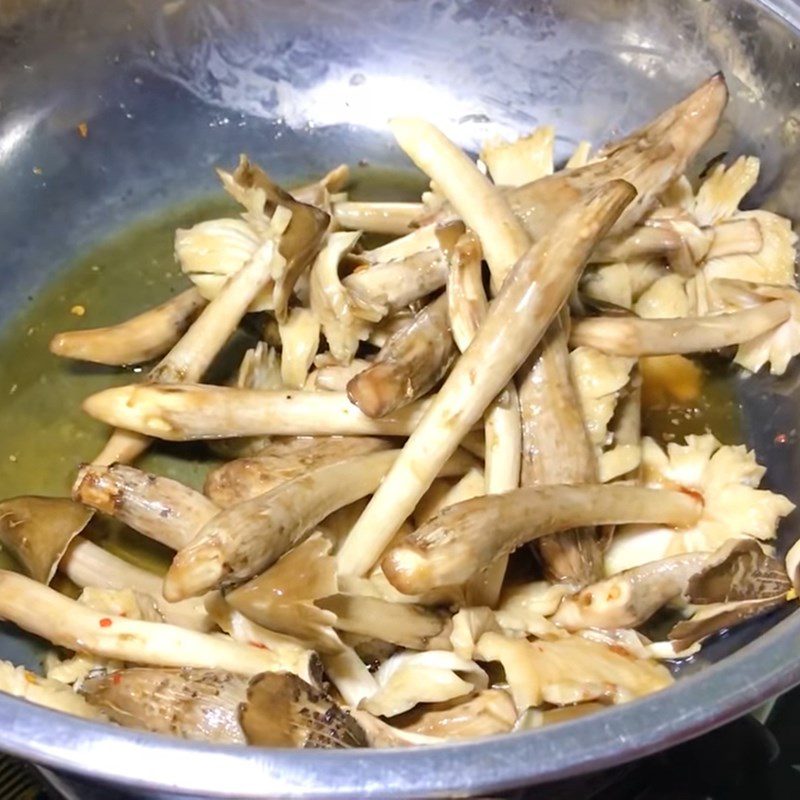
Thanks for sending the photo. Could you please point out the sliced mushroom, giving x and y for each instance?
(190, 703)
(199, 411)
(409, 365)
(158, 507)
(38, 530)
(282, 461)
(300, 342)
(556, 449)
(633, 336)
(66, 623)
(466, 299)
(390, 218)
(335, 377)
(467, 537)
(531, 296)
(282, 710)
(138, 339)
(628, 599)
(302, 238)
(488, 713)
(245, 539)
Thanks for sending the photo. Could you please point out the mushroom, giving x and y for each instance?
(300, 342)
(409, 365)
(190, 703)
(628, 599)
(282, 598)
(467, 537)
(556, 449)
(158, 507)
(389, 218)
(245, 539)
(138, 339)
(739, 582)
(635, 337)
(318, 193)
(21, 682)
(200, 411)
(282, 710)
(38, 530)
(793, 565)
(407, 269)
(335, 377)
(488, 713)
(301, 240)
(570, 670)
(66, 623)
(282, 461)
(466, 299)
(531, 295)
(517, 163)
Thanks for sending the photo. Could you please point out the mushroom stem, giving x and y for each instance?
(140, 338)
(628, 599)
(531, 296)
(158, 507)
(67, 623)
(86, 564)
(556, 449)
(467, 537)
(481, 206)
(409, 365)
(198, 411)
(245, 539)
(633, 336)
(389, 218)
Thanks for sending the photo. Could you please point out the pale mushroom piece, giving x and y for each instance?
(190, 703)
(351, 677)
(303, 236)
(345, 315)
(381, 734)
(408, 625)
(333, 182)
(639, 242)
(522, 161)
(468, 625)
(724, 188)
(467, 537)
(243, 540)
(281, 461)
(524, 608)
(420, 240)
(488, 713)
(397, 283)
(444, 493)
(335, 377)
(86, 564)
(300, 342)
(141, 338)
(409, 365)
(531, 295)
(199, 411)
(628, 599)
(556, 449)
(635, 337)
(725, 477)
(47, 692)
(64, 622)
(650, 158)
(435, 676)
(160, 508)
(122, 447)
(581, 156)
(372, 217)
(282, 710)
(283, 597)
(479, 204)
(37, 531)
(570, 670)
(466, 298)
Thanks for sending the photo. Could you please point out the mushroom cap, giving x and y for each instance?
(38, 530)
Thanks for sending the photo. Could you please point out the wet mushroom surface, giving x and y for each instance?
(398, 468)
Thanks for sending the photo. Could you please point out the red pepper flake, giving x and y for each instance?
(83, 130)
(781, 438)
(116, 678)
(105, 622)
(259, 645)
(619, 650)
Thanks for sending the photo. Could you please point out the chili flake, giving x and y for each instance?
(105, 622)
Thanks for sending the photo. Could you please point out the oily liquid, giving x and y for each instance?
(44, 434)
